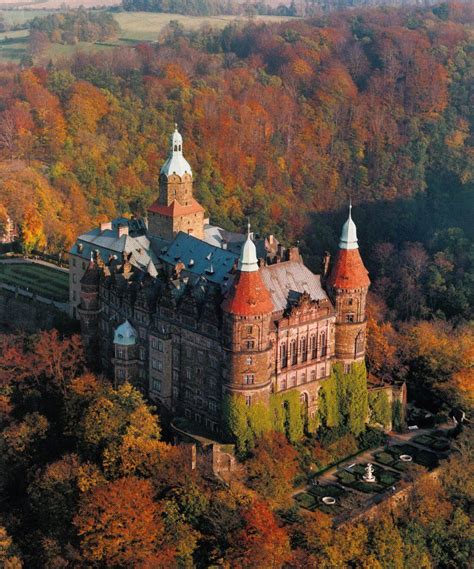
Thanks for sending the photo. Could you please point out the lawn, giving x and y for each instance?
(44, 281)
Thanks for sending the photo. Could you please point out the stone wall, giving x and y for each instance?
(25, 313)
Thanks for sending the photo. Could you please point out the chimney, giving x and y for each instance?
(122, 230)
(105, 225)
(294, 254)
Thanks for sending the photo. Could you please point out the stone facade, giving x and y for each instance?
(188, 322)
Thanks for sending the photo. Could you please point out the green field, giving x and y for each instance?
(136, 27)
(44, 281)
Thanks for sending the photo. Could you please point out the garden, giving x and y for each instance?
(37, 279)
(388, 468)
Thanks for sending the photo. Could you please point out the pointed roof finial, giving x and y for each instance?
(176, 127)
(248, 261)
(349, 232)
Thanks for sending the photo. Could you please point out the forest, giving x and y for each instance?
(89, 480)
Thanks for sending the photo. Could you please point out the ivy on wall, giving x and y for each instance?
(380, 408)
(343, 398)
(245, 424)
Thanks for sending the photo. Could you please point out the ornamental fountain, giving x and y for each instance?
(369, 474)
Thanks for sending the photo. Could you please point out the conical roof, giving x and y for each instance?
(92, 274)
(348, 271)
(248, 295)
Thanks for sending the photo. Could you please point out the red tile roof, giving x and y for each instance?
(348, 270)
(175, 209)
(248, 296)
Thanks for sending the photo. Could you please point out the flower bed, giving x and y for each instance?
(329, 490)
(305, 500)
(384, 458)
(346, 478)
(368, 487)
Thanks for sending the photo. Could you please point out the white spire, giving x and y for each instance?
(248, 262)
(349, 233)
(176, 163)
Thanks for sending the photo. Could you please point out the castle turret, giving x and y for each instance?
(247, 316)
(176, 209)
(348, 284)
(88, 312)
(125, 351)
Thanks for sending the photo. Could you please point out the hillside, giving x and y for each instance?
(281, 123)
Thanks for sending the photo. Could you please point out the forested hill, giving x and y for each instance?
(281, 123)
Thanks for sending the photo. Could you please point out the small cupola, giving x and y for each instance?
(176, 163)
(125, 335)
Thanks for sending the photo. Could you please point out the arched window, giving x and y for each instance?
(283, 356)
(324, 347)
(314, 347)
(304, 349)
(293, 353)
(359, 343)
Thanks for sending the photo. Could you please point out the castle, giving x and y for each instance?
(189, 312)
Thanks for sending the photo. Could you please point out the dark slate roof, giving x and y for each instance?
(200, 258)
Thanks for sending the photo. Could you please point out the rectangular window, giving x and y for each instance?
(249, 361)
(248, 400)
(212, 405)
(73, 262)
(157, 364)
(250, 344)
(249, 378)
(313, 375)
(74, 278)
(142, 353)
(349, 318)
(156, 385)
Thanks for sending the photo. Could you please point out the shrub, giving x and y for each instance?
(372, 438)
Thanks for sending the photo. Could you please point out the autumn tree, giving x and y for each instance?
(260, 542)
(118, 523)
(272, 467)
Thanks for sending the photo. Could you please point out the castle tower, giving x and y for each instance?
(247, 316)
(348, 284)
(125, 351)
(88, 312)
(176, 209)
